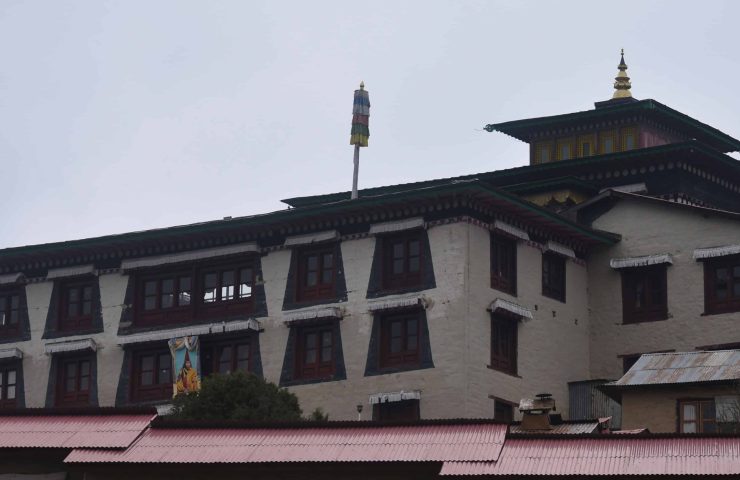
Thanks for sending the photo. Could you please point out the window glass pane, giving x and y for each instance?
(183, 298)
(544, 154)
(707, 410)
(13, 319)
(15, 300)
(245, 283)
(311, 278)
(86, 307)
(168, 295)
(398, 266)
(242, 357)
(327, 268)
(84, 383)
(689, 411)
(564, 152)
(73, 295)
(395, 346)
(310, 343)
(414, 264)
(1, 380)
(146, 378)
(11, 377)
(10, 393)
(147, 363)
(586, 148)
(70, 378)
(85, 368)
(3, 304)
(150, 287)
(608, 145)
(150, 292)
(87, 293)
(689, 427)
(72, 309)
(210, 281)
(165, 368)
(312, 262)
(629, 141)
(227, 285)
(224, 360)
(398, 250)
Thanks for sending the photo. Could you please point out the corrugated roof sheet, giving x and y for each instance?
(569, 428)
(71, 431)
(413, 443)
(683, 367)
(609, 456)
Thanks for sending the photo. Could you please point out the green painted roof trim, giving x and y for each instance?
(550, 184)
(302, 202)
(297, 214)
(517, 128)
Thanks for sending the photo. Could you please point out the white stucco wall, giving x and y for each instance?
(648, 228)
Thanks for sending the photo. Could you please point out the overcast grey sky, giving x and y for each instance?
(134, 114)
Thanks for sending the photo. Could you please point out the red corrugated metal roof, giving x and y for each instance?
(71, 431)
(411, 443)
(609, 456)
(569, 428)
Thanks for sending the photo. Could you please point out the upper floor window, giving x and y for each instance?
(553, 276)
(565, 149)
(151, 375)
(10, 306)
(504, 332)
(542, 153)
(586, 145)
(402, 260)
(8, 386)
(608, 142)
(76, 309)
(503, 264)
(644, 296)
(74, 379)
(399, 339)
(315, 351)
(226, 356)
(204, 291)
(697, 416)
(629, 139)
(722, 284)
(316, 273)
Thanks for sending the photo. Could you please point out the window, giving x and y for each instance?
(503, 264)
(404, 410)
(9, 386)
(74, 378)
(316, 274)
(644, 296)
(10, 312)
(399, 339)
(542, 153)
(151, 375)
(226, 356)
(697, 416)
(197, 292)
(586, 145)
(628, 139)
(315, 352)
(76, 310)
(722, 284)
(608, 142)
(628, 360)
(553, 276)
(504, 343)
(503, 411)
(402, 261)
(565, 149)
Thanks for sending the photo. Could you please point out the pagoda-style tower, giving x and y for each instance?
(622, 83)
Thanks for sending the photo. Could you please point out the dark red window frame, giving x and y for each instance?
(225, 356)
(10, 312)
(644, 294)
(553, 276)
(503, 410)
(74, 381)
(151, 375)
(315, 351)
(76, 304)
(722, 274)
(705, 420)
(504, 343)
(403, 260)
(400, 342)
(9, 377)
(503, 263)
(201, 291)
(404, 410)
(316, 273)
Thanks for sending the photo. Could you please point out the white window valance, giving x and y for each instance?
(510, 229)
(213, 328)
(75, 271)
(11, 278)
(398, 302)
(310, 238)
(12, 352)
(290, 318)
(71, 346)
(394, 397)
(643, 261)
(396, 226)
(559, 248)
(191, 256)
(511, 307)
(712, 252)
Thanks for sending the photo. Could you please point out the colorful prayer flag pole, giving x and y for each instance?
(360, 129)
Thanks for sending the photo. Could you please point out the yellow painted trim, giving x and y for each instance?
(591, 140)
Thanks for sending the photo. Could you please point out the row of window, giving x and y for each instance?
(586, 145)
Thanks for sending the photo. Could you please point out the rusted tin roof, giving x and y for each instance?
(682, 367)
(71, 431)
(567, 428)
(411, 443)
(610, 456)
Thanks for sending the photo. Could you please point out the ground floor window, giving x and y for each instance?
(697, 416)
(152, 375)
(396, 411)
(9, 377)
(74, 381)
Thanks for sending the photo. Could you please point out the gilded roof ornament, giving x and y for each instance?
(622, 83)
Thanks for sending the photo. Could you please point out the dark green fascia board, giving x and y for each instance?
(303, 202)
(549, 184)
(515, 128)
(298, 214)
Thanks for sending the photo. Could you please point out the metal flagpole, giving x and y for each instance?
(360, 130)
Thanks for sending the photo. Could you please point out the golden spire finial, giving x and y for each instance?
(362, 85)
(622, 83)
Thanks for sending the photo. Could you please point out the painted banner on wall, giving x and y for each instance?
(186, 360)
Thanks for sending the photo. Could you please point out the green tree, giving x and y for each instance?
(237, 396)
